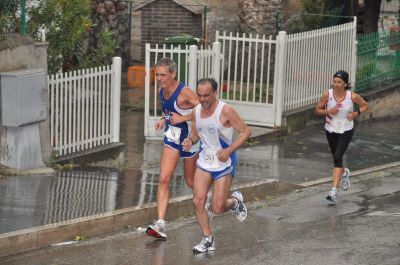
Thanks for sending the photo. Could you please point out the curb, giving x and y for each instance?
(43, 236)
(353, 174)
(24, 172)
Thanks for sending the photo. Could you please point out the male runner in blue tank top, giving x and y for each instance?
(177, 101)
(213, 123)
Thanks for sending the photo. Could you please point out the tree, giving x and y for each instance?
(67, 23)
(369, 16)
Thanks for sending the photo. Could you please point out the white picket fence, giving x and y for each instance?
(263, 77)
(311, 59)
(85, 108)
(291, 72)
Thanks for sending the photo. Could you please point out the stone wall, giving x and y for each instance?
(383, 103)
(259, 16)
(216, 23)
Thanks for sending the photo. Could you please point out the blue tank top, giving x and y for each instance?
(170, 105)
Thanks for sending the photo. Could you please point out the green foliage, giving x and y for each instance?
(101, 56)
(9, 21)
(68, 23)
(314, 15)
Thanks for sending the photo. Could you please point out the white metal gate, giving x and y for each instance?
(247, 79)
(261, 77)
(311, 59)
(188, 72)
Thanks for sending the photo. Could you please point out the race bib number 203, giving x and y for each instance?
(211, 159)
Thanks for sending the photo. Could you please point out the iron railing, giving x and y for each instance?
(378, 59)
(12, 17)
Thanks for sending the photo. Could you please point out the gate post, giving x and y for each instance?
(216, 61)
(147, 91)
(353, 70)
(115, 99)
(279, 75)
(192, 82)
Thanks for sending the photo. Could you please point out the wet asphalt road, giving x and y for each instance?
(29, 201)
(296, 228)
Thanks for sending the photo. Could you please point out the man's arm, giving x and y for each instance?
(187, 100)
(193, 135)
(231, 117)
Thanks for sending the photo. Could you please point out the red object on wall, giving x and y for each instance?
(394, 38)
(136, 76)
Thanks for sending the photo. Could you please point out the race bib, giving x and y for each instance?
(339, 125)
(211, 159)
(173, 134)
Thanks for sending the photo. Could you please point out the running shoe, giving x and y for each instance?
(240, 211)
(345, 179)
(332, 195)
(156, 230)
(210, 212)
(206, 244)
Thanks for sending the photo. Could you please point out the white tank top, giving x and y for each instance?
(338, 123)
(214, 136)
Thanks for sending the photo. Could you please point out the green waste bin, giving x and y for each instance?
(180, 59)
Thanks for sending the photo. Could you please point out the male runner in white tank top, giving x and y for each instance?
(337, 105)
(213, 123)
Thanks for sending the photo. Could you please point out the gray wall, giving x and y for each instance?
(18, 53)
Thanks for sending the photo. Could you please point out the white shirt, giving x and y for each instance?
(338, 123)
(214, 136)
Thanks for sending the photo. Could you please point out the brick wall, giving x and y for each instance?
(164, 18)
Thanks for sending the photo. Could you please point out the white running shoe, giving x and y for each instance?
(240, 210)
(156, 230)
(210, 212)
(205, 245)
(332, 195)
(345, 179)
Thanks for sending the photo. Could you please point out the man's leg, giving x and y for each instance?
(202, 181)
(189, 169)
(220, 201)
(169, 160)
